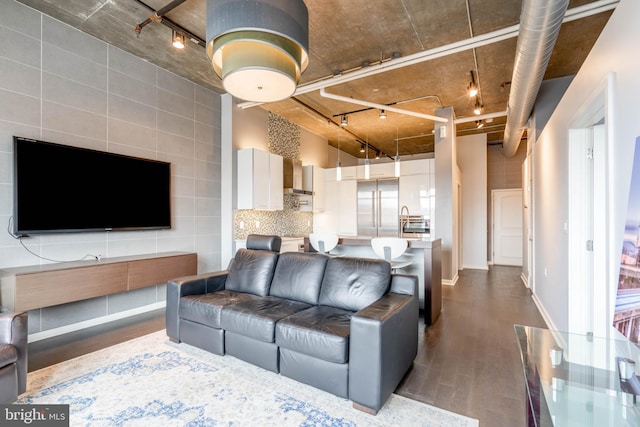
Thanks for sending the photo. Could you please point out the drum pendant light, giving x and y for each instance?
(259, 48)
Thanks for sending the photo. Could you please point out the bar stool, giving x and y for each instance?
(323, 242)
(389, 249)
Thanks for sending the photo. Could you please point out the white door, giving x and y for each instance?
(507, 227)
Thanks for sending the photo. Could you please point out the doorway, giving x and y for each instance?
(506, 221)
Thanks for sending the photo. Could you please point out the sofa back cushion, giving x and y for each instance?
(298, 276)
(251, 271)
(354, 283)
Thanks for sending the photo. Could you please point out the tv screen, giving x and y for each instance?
(58, 188)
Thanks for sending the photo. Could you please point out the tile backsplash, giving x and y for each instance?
(287, 222)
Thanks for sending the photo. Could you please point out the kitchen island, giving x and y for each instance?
(425, 257)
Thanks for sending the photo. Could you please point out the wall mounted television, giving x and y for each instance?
(61, 189)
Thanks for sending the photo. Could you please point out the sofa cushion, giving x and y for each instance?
(251, 271)
(206, 308)
(354, 283)
(319, 331)
(298, 276)
(257, 318)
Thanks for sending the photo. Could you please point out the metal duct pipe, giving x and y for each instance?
(540, 22)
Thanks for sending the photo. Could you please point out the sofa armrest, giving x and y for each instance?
(189, 285)
(383, 345)
(14, 331)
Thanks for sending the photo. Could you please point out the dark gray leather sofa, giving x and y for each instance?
(344, 325)
(13, 356)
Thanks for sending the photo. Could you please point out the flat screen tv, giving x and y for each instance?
(60, 189)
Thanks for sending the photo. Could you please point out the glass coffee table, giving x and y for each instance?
(579, 380)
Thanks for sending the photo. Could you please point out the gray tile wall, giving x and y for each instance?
(61, 85)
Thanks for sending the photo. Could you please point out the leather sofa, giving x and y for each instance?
(344, 325)
(13, 356)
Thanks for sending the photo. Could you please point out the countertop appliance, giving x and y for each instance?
(415, 226)
(378, 208)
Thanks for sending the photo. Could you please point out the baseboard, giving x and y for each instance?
(476, 267)
(524, 279)
(543, 313)
(50, 333)
(451, 282)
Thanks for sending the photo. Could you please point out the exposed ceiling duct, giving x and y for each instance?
(540, 22)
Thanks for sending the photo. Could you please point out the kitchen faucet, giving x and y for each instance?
(402, 222)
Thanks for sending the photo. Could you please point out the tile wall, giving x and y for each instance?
(61, 85)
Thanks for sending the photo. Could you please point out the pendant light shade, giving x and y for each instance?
(259, 48)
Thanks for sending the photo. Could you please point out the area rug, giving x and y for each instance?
(150, 381)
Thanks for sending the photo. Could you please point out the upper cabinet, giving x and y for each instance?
(378, 170)
(417, 167)
(260, 184)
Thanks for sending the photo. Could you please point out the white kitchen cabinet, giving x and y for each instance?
(378, 170)
(313, 179)
(259, 180)
(341, 205)
(417, 167)
(416, 192)
(349, 173)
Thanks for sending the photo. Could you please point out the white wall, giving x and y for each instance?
(472, 159)
(616, 51)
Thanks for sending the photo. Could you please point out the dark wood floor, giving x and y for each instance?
(467, 361)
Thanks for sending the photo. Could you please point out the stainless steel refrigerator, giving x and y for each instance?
(378, 208)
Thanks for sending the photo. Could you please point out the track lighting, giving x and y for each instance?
(473, 87)
(479, 124)
(383, 114)
(477, 109)
(177, 39)
(377, 155)
(344, 122)
(362, 148)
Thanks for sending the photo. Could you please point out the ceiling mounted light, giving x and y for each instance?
(177, 39)
(473, 87)
(344, 122)
(479, 124)
(362, 148)
(259, 48)
(383, 114)
(477, 109)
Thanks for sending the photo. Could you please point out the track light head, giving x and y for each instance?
(362, 148)
(477, 109)
(383, 114)
(344, 122)
(177, 39)
(479, 124)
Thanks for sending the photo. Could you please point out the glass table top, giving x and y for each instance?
(579, 380)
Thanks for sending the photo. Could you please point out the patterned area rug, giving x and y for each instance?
(151, 381)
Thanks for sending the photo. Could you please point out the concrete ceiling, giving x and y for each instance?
(346, 36)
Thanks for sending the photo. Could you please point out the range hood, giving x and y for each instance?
(292, 179)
